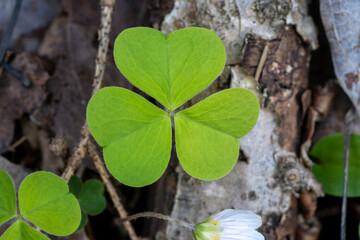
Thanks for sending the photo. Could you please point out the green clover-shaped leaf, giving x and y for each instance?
(329, 151)
(90, 195)
(136, 135)
(45, 201)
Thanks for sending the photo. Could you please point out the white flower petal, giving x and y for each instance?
(239, 218)
(225, 213)
(243, 235)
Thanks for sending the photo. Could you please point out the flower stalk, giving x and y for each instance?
(181, 223)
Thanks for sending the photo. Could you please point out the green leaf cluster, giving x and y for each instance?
(137, 135)
(44, 200)
(329, 151)
(90, 195)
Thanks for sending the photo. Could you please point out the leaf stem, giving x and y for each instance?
(349, 119)
(181, 223)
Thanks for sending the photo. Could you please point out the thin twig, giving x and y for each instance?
(186, 225)
(110, 188)
(24, 81)
(17, 143)
(261, 62)
(4, 44)
(349, 120)
(9, 29)
(107, 7)
(77, 155)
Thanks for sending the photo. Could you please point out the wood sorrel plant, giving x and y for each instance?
(44, 200)
(137, 135)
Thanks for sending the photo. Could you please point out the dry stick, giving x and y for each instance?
(107, 7)
(77, 155)
(110, 188)
(17, 143)
(261, 62)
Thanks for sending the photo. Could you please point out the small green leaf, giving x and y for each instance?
(75, 185)
(45, 200)
(7, 197)
(330, 152)
(91, 197)
(171, 68)
(207, 134)
(136, 135)
(21, 231)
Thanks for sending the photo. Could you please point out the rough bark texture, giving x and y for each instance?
(269, 175)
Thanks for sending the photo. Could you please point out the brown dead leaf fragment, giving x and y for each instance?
(308, 229)
(341, 19)
(34, 16)
(322, 98)
(334, 121)
(308, 204)
(71, 43)
(15, 99)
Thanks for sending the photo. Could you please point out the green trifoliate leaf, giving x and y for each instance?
(207, 134)
(330, 171)
(45, 200)
(91, 197)
(7, 197)
(75, 185)
(21, 231)
(171, 68)
(136, 135)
